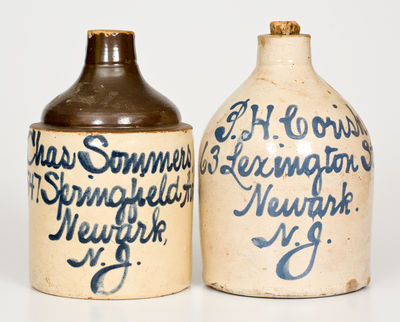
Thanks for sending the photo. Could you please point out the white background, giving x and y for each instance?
(197, 53)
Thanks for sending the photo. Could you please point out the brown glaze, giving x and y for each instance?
(110, 92)
(116, 129)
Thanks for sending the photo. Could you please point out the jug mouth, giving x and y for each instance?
(281, 29)
(108, 32)
(284, 36)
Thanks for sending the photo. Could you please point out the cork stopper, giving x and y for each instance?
(284, 28)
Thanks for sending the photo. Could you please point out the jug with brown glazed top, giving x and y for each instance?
(110, 176)
(286, 178)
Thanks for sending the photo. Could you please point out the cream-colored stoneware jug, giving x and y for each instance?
(110, 176)
(286, 181)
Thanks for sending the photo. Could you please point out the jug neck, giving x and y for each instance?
(111, 57)
(110, 47)
(284, 51)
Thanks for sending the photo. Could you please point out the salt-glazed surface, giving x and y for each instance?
(286, 182)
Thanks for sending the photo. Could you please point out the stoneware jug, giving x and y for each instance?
(286, 181)
(110, 175)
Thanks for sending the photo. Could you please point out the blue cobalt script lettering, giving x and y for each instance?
(52, 187)
(262, 168)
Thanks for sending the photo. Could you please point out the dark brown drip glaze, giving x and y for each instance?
(110, 92)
